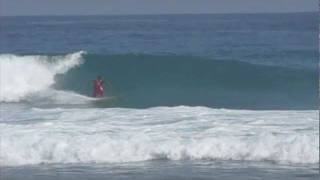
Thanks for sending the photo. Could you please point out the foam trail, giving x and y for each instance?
(23, 75)
(56, 97)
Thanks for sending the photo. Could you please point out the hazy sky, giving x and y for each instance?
(84, 7)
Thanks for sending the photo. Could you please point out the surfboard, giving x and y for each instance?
(104, 98)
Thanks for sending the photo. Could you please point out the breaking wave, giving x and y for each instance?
(176, 133)
(23, 76)
(141, 81)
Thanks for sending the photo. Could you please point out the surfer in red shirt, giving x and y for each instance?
(98, 90)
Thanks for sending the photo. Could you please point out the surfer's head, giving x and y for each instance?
(99, 77)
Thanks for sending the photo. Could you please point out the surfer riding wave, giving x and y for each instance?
(98, 89)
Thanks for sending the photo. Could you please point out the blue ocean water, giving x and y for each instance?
(169, 60)
(210, 96)
(282, 39)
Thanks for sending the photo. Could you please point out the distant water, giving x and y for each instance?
(189, 97)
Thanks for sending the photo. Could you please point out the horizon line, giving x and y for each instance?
(157, 14)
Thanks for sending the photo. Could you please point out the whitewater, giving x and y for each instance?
(34, 133)
(23, 76)
(205, 96)
(36, 136)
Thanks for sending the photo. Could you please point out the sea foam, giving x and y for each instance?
(172, 133)
(25, 75)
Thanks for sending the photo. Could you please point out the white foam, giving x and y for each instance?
(128, 135)
(23, 75)
(58, 97)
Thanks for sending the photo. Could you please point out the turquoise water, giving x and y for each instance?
(142, 81)
(189, 97)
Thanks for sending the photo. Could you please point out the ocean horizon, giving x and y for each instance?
(187, 96)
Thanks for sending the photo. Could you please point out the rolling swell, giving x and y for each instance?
(141, 81)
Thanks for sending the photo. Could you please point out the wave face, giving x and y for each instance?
(169, 80)
(141, 81)
(110, 135)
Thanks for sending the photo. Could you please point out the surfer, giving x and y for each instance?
(98, 90)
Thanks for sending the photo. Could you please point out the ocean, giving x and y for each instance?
(208, 96)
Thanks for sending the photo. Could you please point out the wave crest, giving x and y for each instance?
(24, 75)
